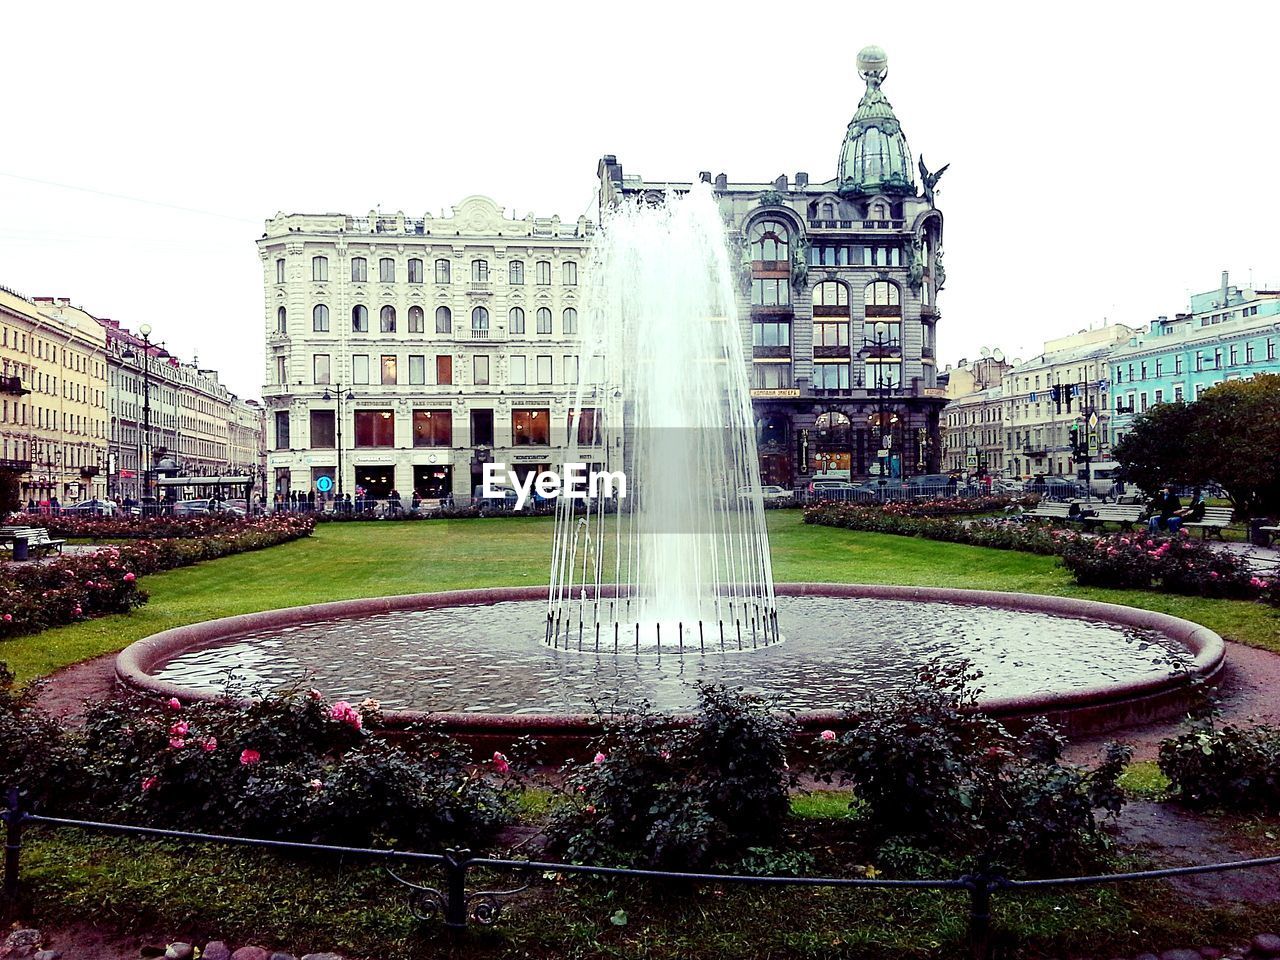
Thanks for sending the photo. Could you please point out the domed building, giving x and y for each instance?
(838, 300)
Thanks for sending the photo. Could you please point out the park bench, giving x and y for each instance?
(1124, 514)
(1048, 511)
(1269, 534)
(1214, 521)
(38, 539)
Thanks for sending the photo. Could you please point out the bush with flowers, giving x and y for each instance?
(930, 770)
(37, 596)
(284, 767)
(660, 796)
(956, 506)
(1223, 766)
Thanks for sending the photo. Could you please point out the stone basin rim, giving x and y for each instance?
(1105, 703)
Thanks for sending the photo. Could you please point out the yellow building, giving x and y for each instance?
(53, 400)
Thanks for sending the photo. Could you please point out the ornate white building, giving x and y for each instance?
(408, 352)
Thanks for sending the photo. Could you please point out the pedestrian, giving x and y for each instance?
(54, 506)
(1163, 509)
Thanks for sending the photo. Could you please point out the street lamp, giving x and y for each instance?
(144, 440)
(338, 396)
(880, 348)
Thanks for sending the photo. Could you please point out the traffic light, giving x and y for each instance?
(1075, 439)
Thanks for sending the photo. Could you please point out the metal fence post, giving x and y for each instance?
(980, 884)
(455, 888)
(13, 817)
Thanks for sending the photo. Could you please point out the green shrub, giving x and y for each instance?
(1227, 766)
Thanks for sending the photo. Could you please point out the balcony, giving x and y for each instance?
(16, 466)
(857, 224)
(480, 288)
(13, 385)
(478, 333)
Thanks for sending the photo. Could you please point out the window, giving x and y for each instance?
(359, 319)
(480, 322)
(387, 270)
(831, 334)
(282, 430)
(444, 320)
(544, 320)
(390, 373)
(831, 376)
(518, 370)
(320, 368)
(570, 369)
(1271, 348)
(569, 273)
(359, 269)
(417, 369)
(770, 240)
(480, 369)
(482, 428)
(831, 299)
(544, 369)
(444, 370)
(570, 321)
(771, 376)
(320, 318)
(281, 376)
(881, 293)
(1248, 352)
(515, 272)
(320, 268)
(415, 270)
(588, 426)
(516, 320)
(884, 374)
(282, 320)
(375, 428)
(770, 293)
(530, 427)
(1177, 364)
(1217, 358)
(885, 334)
(387, 319)
(1159, 398)
(442, 271)
(322, 429)
(1199, 361)
(280, 271)
(432, 428)
(1177, 394)
(544, 272)
(480, 271)
(770, 334)
(828, 211)
(417, 320)
(1234, 356)
(360, 368)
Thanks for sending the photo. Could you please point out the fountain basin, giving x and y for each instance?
(153, 665)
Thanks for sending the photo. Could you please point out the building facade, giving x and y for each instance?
(53, 401)
(973, 435)
(839, 284)
(1227, 334)
(403, 354)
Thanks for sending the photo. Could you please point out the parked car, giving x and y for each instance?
(769, 492)
(191, 508)
(818, 488)
(933, 485)
(93, 508)
(1056, 488)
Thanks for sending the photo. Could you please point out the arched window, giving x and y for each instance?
(544, 320)
(515, 272)
(570, 272)
(415, 270)
(544, 272)
(480, 320)
(832, 427)
(320, 318)
(828, 211)
(829, 293)
(359, 269)
(570, 321)
(442, 271)
(882, 293)
(772, 430)
(387, 319)
(282, 320)
(480, 271)
(515, 320)
(359, 319)
(417, 321)
(387, 270)
(444, 320)
(320, 268)
(770, 240)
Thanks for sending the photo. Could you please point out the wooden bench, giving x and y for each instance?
(1048, 511)
(38, 539)
(1124, 514)
(1215, 520)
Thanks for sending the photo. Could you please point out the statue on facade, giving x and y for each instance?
(915, 264)
(930, 180)
(939, 271)
(800, 264)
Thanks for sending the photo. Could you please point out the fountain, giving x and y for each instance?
(680, 565)
(684, 555)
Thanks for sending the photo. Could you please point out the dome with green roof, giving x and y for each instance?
(875, 157)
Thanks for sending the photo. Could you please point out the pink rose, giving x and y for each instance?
(177, 743)
(591, 808)
(8, 618)
(249, 757)
(827, 735)
(130, 577)
(179, 729)
(78, 611)
(599, 758)
(500, 763)
(148, 783)
(346, 713)
(174, 704)
(209, 744)
(315, 784)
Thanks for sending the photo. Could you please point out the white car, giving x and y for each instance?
(95, 508)
(770, 493)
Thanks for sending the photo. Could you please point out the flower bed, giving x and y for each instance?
(956, 506)
(38, 596)
(72, 526)
(1178, 564)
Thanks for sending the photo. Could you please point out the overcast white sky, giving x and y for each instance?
(1106, 159)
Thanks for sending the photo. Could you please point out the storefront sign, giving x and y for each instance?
(803, 458)
(780, 394)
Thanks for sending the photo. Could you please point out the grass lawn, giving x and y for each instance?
(350, 560)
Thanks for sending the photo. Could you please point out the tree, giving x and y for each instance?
(1230, 436)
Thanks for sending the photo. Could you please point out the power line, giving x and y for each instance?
(123, 196)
